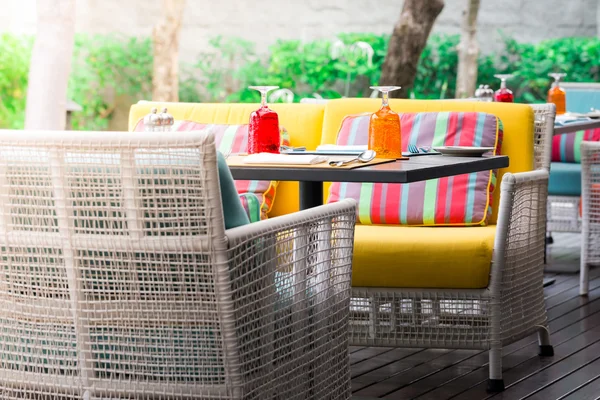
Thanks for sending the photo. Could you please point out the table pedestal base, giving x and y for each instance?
(311, 194)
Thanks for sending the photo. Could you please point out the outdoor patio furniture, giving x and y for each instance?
(564, 186)
(590, 211)
(508, 305)
(119, 280)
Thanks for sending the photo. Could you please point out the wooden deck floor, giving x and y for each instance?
(439, 374)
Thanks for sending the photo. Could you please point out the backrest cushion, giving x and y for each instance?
(517, 122)
(304, 122)
(580, 99)
(565, 147)
(458, 200)
(257, 196)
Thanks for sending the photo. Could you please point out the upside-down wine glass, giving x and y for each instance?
(384, 127)
(556, 94)
(504, 94)
(263, 129)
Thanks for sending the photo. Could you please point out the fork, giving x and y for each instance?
(413, 149)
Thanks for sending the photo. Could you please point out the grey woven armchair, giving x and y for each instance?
(590, 211)
(119, 280)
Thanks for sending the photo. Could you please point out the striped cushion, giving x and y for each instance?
(565, 147)
(251, 204)
(458, 200)
(234, 139)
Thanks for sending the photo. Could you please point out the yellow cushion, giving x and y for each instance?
(517, 120)
(422, 257)
(303, 122)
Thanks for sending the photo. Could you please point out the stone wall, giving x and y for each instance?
(265, 21)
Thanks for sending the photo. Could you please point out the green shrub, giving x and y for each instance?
(105, 67)
(15, 53)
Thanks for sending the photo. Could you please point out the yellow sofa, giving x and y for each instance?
(450, 287)
(467, 257)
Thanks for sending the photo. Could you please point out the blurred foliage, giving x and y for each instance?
(15, 53)
(107, 67)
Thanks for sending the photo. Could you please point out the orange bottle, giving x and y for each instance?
(385, 135)
(557, 95)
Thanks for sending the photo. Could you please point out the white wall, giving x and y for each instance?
(265, 21)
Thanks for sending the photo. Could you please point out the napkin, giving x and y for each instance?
(270, 158)
(569, 118)
(335, 147)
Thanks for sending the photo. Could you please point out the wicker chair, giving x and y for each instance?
(119, 280)
(563, 210)
(510, 308)
(590, 212)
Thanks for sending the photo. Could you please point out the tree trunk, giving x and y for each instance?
(407, 42)
(468, 52)
(165, 37)
(50, 65)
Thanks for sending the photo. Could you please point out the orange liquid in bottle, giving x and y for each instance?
(557, 96)
(384, 133)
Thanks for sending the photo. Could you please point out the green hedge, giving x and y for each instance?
(108, 66)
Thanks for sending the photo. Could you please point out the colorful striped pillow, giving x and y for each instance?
(234, 139)
(565, 147)
(460, 200)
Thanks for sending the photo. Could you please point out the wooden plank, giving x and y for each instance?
(417, 373)
(513, 355)
(381, 360)
(564, 385)
(529, 343)
(533, 366)
(366, 353)
(567, 365)
(397, 367)
(588, 391)
(354, 349)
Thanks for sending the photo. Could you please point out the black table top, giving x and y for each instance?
(415, 169)
(576, 126)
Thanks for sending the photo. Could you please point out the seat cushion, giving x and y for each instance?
(581, 100)
(422, 257)
(565, 179)
(566, 147)
(454, 201)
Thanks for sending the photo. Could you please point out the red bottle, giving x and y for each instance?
(263, 129)
(504, 94)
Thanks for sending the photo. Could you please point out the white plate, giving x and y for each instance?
(463, 151)
(593, 114)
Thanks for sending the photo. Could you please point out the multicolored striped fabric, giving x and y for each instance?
(460, 200)
(234, 139)
(251, 204)
(565, 147)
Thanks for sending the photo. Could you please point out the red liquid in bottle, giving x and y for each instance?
(263, 131)
(503, 95)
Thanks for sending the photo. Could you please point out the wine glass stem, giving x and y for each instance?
(385, 98)
(263, 98)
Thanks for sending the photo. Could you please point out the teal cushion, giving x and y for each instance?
(565, 179)
(581, 100)
(233, 212)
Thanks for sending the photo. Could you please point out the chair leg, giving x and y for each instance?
(584, 281)
(495, 383)
(546, 349)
